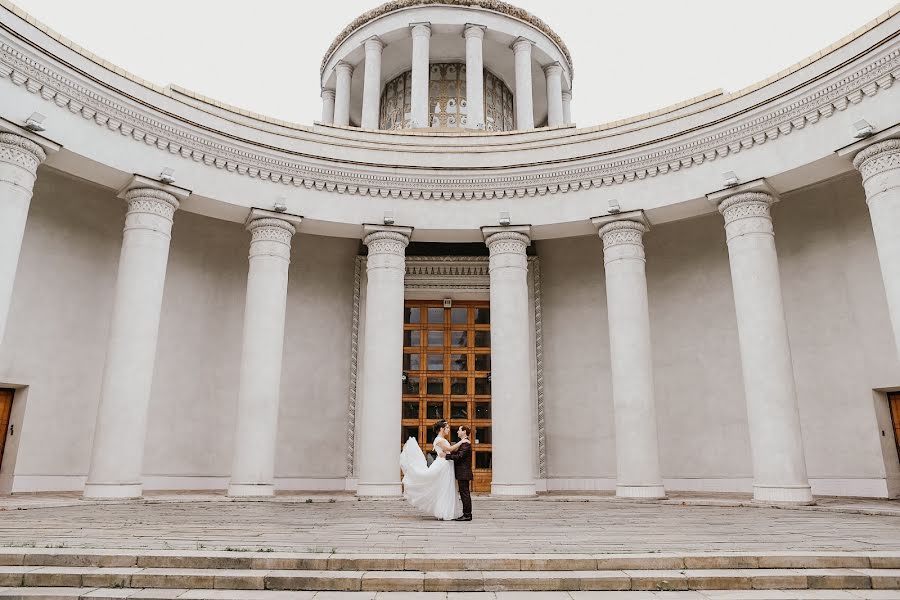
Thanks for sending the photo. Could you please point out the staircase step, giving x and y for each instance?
(179, 559)
(69, 593)
(448, 581)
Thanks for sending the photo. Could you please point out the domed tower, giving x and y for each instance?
(447, 65)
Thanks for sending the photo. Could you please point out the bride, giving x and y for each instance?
(431, 488)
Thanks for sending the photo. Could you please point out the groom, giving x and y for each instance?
(462, 460)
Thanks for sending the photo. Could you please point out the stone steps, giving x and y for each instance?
(173, 594)
(200, 559)
(448, 581)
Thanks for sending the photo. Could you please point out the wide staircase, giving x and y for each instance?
(68, 573)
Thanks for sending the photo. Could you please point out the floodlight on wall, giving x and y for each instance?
(731, 179)
(504, 219)
(614, 207)
(862, 129)
(280, 205)
(35, 122)
(389, 217)
(167, 175)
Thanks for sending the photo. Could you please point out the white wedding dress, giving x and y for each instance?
(430, 489)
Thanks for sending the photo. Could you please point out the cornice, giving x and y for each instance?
(826, 95)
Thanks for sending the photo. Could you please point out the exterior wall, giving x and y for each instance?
(839, 331)
(58, 333)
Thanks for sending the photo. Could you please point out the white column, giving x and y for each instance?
(567, 107)
(371, 112)
(513, 454)
(19, 160)
(421, 74)
(118, 451)
(524, 99)
(383, 356)
(555, 116)
(879, 165)
(328, 97)
(631, 358)
(343, 73)
(779, 467)
(253, 463)
(475, 75)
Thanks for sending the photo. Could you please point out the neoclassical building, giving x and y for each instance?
(703, 298)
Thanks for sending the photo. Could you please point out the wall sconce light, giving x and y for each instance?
(614, 207)
(504, 219)
(167, 175)
(404, 377)
(389, 217)
(280, 205)
(862, 129)
(731, 179)
(35, 122)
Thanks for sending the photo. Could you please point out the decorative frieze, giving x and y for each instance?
(145, 125)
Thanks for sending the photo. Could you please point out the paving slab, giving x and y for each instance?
(256, 534)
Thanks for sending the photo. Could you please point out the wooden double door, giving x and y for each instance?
(6, 398)
(447, 375)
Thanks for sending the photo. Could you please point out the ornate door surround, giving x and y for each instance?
(458, 278)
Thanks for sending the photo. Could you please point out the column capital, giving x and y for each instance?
(328, 93)
(474, 31)
(878, 158)
(420, 29)
(387, 239)
(21, 151)
(631, 221)
(567, 95)
(507, 240)
(373, 44)
(552, 69)
(261, 218)
(139, 182)
(746, 205)
(522, 44)
(344, 66)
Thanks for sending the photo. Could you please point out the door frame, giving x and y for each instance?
(458, 278)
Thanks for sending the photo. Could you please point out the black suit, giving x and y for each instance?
(462, 461)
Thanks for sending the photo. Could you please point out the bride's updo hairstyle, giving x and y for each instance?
(439, 426)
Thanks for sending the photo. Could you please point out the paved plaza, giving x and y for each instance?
(342, 524)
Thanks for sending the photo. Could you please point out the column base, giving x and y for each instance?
(251, 490)
(379, 490)
(517, 490)
(112, 491)
(783, 494)
(642, 492)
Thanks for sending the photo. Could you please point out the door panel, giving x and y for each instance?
(6, 397)
(447, 361)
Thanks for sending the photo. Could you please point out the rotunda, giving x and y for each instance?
(448, 65)
(705, 298)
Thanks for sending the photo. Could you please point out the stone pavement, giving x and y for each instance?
(552, 524)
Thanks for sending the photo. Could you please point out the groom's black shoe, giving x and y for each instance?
(464, 518)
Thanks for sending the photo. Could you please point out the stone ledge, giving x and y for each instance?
(26, 578)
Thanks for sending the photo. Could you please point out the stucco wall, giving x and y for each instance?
(839, 332)
(57, 342)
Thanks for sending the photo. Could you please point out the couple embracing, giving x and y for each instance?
(433, 488)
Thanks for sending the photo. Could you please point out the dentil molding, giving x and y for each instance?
(103, 106)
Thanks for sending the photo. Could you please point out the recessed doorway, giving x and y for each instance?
(447, 375)
(6, 398)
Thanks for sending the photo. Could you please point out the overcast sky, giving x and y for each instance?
(631, 56)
